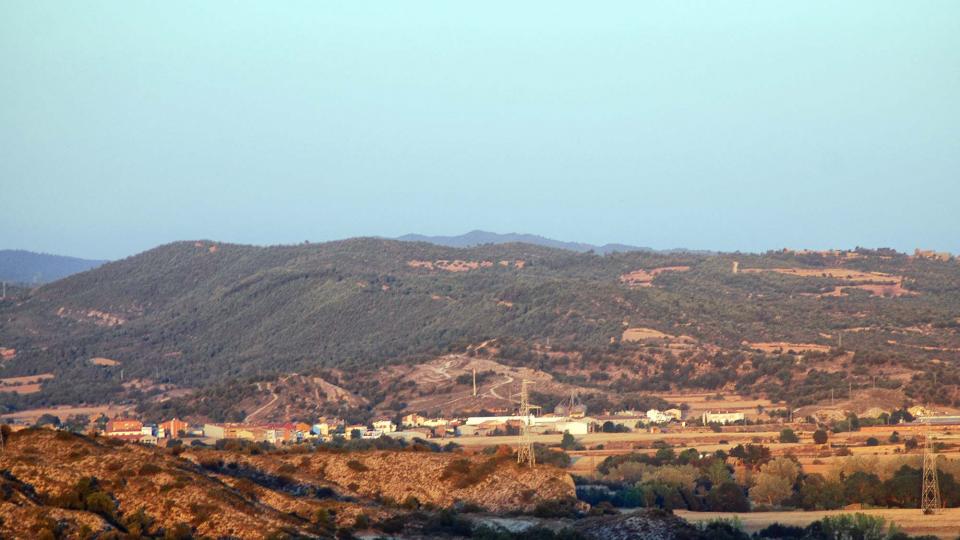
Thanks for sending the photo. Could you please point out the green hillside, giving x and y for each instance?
(205, 314)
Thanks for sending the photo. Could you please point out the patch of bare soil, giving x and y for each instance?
(778, 347)
(432, 386)
(644, 278)
(31, 415)
(100, 361)
(461, 266)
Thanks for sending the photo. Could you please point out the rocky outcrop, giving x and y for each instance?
(495, 483)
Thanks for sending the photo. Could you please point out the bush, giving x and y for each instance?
(820, 436)
(727, 497)
(872, 441)
(357, 466)
(464, 473)
(148, 469)
(782, 532)
(788, 436)
(557, 508)
(180, 531)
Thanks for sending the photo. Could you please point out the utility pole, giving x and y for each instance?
(525, 444)
(831, 397)
(839, 340)
(930, 498)
(474, 382)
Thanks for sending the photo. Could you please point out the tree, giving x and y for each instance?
(727, 497)
(568, 442)
(817, 493)
(48, 420)
(872, 441)
(665, 455)
(771, 489)
(751, 455)
(718, 472)
(861, 487)
(894, 437)
(820, 437)
(775, 482)
(788, 436)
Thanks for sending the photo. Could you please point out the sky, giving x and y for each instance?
(708, 125)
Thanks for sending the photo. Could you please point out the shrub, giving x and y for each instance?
(180, 531)
(464, 473)
(820, 436)
(788, 436)
(557, 508)
(356, 465)
(872, 441)
(148, 469)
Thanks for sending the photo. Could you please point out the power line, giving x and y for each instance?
(525, 443)
(930, 500)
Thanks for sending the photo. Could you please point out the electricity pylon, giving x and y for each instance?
(930, 498)
(525, 443)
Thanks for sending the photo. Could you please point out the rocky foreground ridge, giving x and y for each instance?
(59, 485)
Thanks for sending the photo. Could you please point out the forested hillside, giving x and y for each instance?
(193, 315)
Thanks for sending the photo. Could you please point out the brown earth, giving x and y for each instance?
(31, 415)
(238, 495)
(461, 266)
(400, 475)
(644, 278)
(781, 346)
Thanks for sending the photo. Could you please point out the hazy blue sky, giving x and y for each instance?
(720, 125)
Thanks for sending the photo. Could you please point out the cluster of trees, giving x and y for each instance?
(706, 482)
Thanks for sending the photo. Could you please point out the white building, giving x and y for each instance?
(657, 417)
(572, 427)
(386, 426)
(722, 418)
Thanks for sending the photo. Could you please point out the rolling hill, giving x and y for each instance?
(29, 268)
(479, 238)
(217, 321)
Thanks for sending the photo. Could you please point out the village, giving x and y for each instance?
(572, 420)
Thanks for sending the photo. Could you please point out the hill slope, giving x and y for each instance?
(479, 238)
(226, 319)
(26, 267)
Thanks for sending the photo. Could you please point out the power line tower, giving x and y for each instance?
(525, 442)
(930, 497)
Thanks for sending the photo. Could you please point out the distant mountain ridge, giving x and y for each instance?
(30, 268)
(479, 238)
